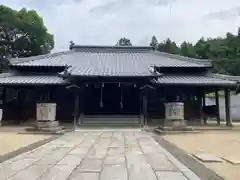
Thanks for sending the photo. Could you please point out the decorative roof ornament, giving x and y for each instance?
(66, 71)
(71, 44)
(153, 70)
(237, 91)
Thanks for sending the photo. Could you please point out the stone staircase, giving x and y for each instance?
(110, 121)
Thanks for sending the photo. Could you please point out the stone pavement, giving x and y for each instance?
(97, 155)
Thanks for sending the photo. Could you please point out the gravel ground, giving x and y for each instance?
(222, 144)
(11, 141)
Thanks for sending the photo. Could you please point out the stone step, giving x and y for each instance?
(109, 125)
(112, 120)
(115, 122)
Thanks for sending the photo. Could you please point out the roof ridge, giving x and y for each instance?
(206, 62)
(38, 57)
(109, 48)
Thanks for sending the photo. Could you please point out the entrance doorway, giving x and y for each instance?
(111, 99)
(111, 103)
(102, 99)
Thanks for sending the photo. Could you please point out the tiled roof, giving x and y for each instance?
(31, 79)
(110, 61)
(193, 80)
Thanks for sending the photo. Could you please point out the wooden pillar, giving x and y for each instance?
(203, 105)
(217, 105)
(228, 107)
(76, 109)
(81, 94)
(141, 110)
(145, 109)
(75, 90)
(201, 108)
(2, 98)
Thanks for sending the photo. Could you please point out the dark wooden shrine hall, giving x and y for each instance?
(111, 85)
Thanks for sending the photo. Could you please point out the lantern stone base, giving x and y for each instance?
(46, 126)
(176, 128)
(175, 125)
(174, 122)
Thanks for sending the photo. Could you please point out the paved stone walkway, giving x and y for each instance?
(119, 155)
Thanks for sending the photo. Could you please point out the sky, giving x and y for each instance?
(104, 22)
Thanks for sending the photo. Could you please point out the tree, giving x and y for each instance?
(169, 47)
(187, 49)
(224, 51)
(124, 42)
(202, 48)
(154, 43)
(22, 34)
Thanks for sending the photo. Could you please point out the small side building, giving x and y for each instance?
(110, 85)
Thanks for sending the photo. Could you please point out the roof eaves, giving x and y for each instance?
(193, 80)
(17, 60)
(39, 66)
(205, 62)
(227, 77)
(15, 79)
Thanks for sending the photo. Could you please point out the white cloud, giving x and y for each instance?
(105, 21)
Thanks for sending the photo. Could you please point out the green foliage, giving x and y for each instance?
(124, 42)
(169, 47)
(224, 51)
(187, 49)
(22, 34)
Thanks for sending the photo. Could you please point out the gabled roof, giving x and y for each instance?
(110, 61)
